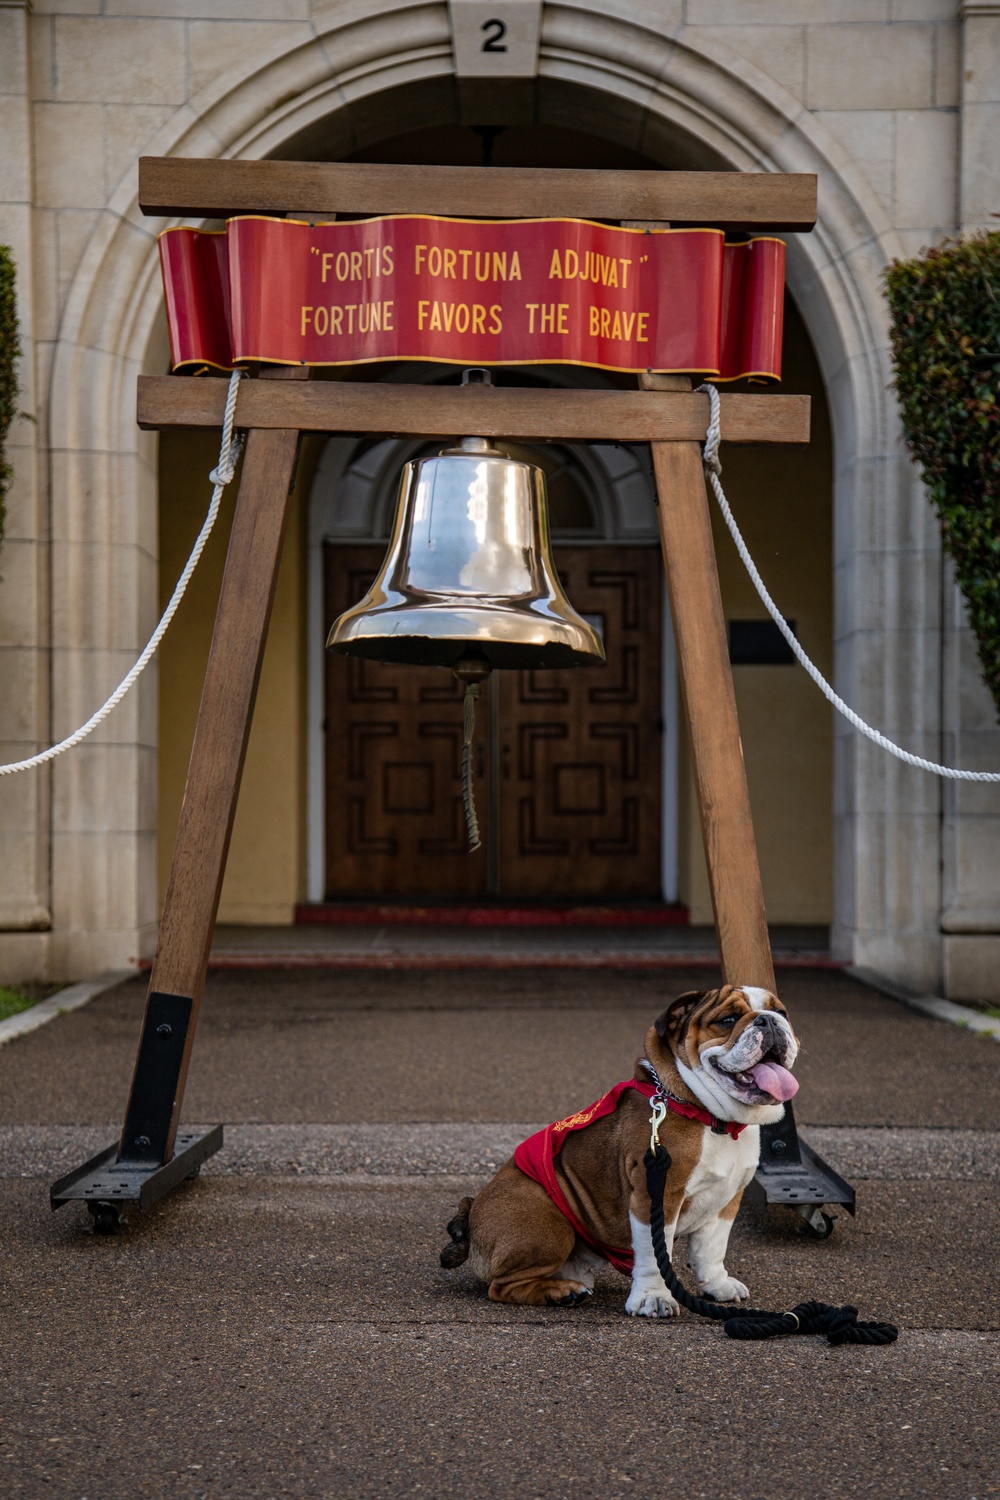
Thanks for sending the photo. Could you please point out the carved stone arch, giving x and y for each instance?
(678, 99)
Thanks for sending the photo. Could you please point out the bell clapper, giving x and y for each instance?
(473, 672)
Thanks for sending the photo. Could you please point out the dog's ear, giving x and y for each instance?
(677, 1012)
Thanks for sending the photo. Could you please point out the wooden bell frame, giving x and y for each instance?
(279, 406)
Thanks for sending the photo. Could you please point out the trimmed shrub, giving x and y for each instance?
(945, 308)
(9, 351)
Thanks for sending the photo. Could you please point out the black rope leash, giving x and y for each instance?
(840, 1324)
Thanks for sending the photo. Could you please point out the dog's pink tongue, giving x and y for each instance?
(775, 1080)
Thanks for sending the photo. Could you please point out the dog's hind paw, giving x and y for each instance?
(565, 1293)
(651, 1304)
(726, 1290)
(573, 1299)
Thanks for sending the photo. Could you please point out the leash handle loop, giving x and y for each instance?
(840, 1324)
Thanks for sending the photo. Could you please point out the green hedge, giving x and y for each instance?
(945, 309)
(9, 351)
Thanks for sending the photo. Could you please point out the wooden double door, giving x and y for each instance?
(567, 764)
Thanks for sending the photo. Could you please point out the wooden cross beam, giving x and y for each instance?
(211, 189)
(488, 411)
(279, 405)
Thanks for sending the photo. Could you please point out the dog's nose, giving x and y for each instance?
(771, 1034)
(769, 1028)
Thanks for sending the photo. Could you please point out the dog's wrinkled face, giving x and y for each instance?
(738, 1038)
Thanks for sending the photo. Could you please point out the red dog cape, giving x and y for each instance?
(536, 1156)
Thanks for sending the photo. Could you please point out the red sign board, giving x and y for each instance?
(474, 292)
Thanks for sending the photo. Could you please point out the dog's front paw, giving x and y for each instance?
(728, 1289)
(643, 1303)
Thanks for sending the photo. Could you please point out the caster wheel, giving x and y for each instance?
(192, 1175)
(107, 1218)
(818, 1225)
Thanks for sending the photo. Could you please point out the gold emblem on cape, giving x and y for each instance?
(577, 1121)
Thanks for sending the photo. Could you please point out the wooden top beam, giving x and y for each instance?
(196, 187)
(449, 411)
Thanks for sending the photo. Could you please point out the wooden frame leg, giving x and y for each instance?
(707, 683)
(209, 805)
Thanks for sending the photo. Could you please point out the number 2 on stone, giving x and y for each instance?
(497, 31)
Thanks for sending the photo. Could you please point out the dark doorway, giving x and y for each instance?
(568, 764)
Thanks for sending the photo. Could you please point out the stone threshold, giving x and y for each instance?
(625, 959)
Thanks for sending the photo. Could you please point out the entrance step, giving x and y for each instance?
(389, 945)
(359, 914)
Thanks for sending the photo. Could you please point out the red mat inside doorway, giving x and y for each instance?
(334, 914)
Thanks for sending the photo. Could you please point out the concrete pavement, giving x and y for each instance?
(282, 1327)
(464, 1045)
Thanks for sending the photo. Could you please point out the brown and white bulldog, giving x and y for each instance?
(574, 1196)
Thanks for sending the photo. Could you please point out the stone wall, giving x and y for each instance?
(894, 103)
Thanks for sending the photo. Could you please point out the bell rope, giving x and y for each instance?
(468, 794)
(229, 453)
(713, 471)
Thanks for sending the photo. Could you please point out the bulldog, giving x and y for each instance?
(573, 1197)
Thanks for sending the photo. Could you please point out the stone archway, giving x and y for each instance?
(681, 100)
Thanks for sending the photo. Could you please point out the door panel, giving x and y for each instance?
(580, 751)
(395, 825)
(574, 811)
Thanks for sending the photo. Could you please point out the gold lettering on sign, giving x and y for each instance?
(552, 316)
(458, 317)
(466, 265)
(355, 265)
(602, 270)
(363, 317)
(606, 324)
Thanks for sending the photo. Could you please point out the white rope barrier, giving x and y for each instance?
(220, 476)
(713, 468)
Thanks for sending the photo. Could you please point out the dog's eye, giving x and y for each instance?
(727, 1021)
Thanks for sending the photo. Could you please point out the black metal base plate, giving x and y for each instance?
(809, 1181)
(102, 1179)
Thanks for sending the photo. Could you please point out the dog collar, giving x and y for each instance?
(692, 1111)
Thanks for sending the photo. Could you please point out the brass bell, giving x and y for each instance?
(469, 572)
